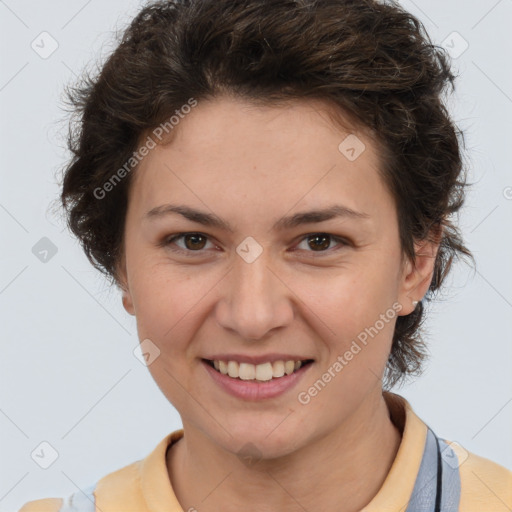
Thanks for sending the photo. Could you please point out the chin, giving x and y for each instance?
(258, 438)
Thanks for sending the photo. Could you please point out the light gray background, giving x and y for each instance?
(68, 372)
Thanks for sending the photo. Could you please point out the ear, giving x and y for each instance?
(122, 280)
(416, 277)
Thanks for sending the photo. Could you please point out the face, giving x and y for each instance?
(226, 261)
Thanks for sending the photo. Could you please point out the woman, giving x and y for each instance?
(270, 183)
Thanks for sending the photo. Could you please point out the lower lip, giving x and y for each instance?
(254, 390)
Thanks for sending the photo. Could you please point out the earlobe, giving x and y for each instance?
(123, 285)
(128, 303)
(417, 276)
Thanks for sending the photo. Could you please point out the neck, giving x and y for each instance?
(208, 478)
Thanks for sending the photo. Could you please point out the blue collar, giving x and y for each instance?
(437, 486)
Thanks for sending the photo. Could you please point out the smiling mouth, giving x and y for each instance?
(257, 372)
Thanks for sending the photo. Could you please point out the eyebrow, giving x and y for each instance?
(297, 219)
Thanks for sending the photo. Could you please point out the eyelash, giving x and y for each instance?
(169, 240)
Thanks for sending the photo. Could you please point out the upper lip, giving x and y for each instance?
(267, 358)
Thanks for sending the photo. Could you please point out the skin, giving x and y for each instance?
(251, 166)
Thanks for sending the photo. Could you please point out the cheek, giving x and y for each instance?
(167, 307)
(171, 303)
(354, 315)
(351, 300)
(360, 318)
(161, 304)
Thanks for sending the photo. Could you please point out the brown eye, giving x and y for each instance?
(320, 242)
(189, 242)
(194, 241)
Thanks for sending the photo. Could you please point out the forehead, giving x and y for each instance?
(229, 150)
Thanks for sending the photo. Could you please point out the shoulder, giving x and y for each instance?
(46, 505)
(485, 485)
(80, 501)
(122, 489)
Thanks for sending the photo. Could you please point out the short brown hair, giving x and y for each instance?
(374, 62)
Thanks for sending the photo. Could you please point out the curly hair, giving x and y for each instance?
(373, 62)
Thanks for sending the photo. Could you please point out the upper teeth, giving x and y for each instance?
(263, 372)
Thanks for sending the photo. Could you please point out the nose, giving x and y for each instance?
(255, 300)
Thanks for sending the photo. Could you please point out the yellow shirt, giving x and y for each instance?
(426, 469)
